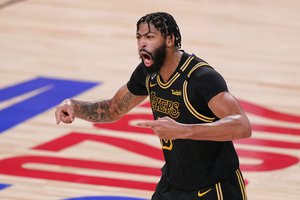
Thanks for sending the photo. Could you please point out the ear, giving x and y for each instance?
(170, 41)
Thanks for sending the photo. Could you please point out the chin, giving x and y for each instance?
(153, 69)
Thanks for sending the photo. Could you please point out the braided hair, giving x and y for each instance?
(163, 22)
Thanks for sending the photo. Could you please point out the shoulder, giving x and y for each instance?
(136, 83)
(139, 72)
(140, 69)
(202, 70)
(205, 81)
(199, 68)
(205, 74)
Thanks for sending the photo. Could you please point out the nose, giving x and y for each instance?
(141, 43)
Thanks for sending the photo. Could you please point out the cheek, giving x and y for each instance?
(154, 45)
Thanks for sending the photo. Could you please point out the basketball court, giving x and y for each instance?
(86, 49)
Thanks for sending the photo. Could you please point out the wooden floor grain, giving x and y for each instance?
(254, 44)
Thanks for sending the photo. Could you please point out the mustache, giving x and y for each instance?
(145, 51)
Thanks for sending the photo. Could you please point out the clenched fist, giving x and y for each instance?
(65, 112)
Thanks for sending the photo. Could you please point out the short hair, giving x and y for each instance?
(163, 22)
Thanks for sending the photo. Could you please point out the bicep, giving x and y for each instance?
(224, 104)
(227, 108)
(123, 101)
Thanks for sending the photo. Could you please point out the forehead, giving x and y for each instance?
(145, 28)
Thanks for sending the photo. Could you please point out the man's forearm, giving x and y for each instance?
(92, 111)
(226, 129)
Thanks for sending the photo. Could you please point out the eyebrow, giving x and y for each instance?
(143, 34)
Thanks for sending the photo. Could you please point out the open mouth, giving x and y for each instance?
(147, 58)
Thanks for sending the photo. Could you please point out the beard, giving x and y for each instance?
(158, 57)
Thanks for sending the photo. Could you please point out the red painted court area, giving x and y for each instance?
(86, 49)
(265, 161)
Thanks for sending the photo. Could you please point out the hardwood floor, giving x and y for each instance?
(55, 49)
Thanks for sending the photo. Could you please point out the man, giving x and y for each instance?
(196, 118)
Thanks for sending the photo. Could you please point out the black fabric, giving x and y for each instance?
(232, 188)
(207, 82)
(136, 84)
(184, 97)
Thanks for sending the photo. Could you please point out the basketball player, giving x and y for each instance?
(196, 117)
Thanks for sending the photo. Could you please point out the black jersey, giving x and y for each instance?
(184, 97)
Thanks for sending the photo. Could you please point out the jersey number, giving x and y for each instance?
(166, 144)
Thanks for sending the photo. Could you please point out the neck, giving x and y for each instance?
(170, 64)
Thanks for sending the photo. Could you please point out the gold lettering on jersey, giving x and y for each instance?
(176, 92)
(166, 144)
(164, 106)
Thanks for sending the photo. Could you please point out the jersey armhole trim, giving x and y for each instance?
(191, 108)
(201, 64)
(147, 82)
(186, 99)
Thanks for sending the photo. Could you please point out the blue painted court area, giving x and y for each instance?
(37, 95)
(3, 186)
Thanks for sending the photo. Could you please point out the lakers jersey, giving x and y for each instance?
(190, 164)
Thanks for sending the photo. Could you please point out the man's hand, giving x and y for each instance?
(65, 112)
(166, 128)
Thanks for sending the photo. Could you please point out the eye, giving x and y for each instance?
(150, 36)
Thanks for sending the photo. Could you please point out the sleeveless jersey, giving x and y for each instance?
(190, 164)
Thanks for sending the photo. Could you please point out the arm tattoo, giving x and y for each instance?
(122, 105)
(93, 112)
(102, 111)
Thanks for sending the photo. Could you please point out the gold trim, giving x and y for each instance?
(242, 184)
(219, 191)
(186, 63)
(201, 64)
(192, 109)
(147, 82)
(169, 83)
